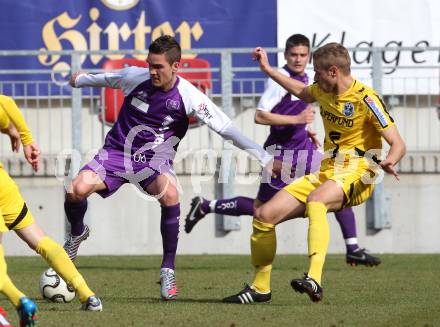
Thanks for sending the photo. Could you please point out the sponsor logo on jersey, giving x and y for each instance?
(142, 95)
(139, 104)
(167, 120)
(341, 121)
(172, 104)
(348, 110)
(377, 111)
(203, 108)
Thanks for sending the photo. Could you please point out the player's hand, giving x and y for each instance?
(32, 155)
(260, 55)
(13, 134)
(388, 167)
(306, 116)
(73, 78)
(273, 168)
(314, 137)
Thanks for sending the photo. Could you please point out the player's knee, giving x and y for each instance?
(170, 197)
(80, 191)
(314, 197)
(257, 204)
(263, 215)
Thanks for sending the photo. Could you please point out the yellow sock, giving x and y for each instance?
(57, 258)
(6, 285)
(11, 292)
(318, 238)
(262, 279)
(3, 267)
(263, 248)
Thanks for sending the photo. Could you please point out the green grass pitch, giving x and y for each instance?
(403, 291)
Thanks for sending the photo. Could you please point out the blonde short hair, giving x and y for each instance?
(333, 54)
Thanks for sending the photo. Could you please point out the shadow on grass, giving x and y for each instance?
(116, 268)
(155, 268)
(152, 300)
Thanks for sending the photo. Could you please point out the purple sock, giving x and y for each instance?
(235, 207)
(205, 206)
(347, 222)
(169, 228)
(75, 212)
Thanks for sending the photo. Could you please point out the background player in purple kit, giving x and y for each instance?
(141, 146)
(288, 116)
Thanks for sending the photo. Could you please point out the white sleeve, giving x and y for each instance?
(126, 79)
(242, 142)
(199, 105)
(272, 94)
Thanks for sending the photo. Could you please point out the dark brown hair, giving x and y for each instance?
(168, 45)
(296, 40)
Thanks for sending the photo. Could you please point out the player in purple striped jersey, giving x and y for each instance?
(141, 146)
(287, 116)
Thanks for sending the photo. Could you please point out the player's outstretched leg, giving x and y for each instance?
(57, 258)
(238, 206)
(308, 285)
(355, 255)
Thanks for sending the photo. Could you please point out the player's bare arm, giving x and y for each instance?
(397, 150)
(13, 134)
(295, 87)
(269, 118)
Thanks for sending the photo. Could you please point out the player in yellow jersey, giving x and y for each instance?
(14, 215)
(355, 120)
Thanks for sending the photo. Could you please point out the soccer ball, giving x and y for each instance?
(54, 288)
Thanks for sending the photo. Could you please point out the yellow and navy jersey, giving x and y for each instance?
(353, 120)
(4, 119)
(10, 112)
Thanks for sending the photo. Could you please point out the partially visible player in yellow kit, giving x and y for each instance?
(355, 121)
(14, 215)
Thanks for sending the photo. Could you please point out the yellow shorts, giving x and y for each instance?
(355, 180)
(13, 211)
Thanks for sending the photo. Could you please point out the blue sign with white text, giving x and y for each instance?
(128, 24)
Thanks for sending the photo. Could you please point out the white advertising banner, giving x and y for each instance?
(379, 23)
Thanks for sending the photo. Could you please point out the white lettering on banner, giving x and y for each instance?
(376, 23)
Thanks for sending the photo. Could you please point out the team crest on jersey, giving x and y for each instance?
(172, 104)
(348, 110)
